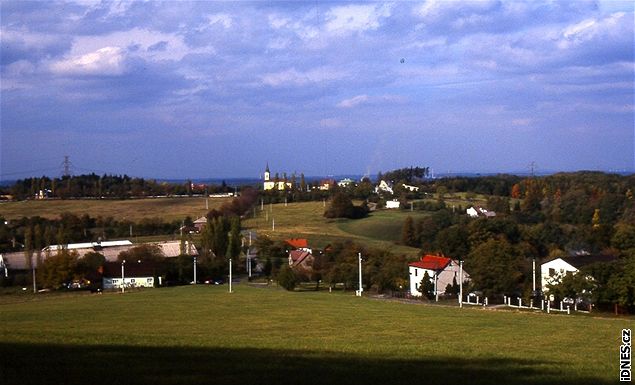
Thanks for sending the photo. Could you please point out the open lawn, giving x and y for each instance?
(168, 209)
(203, 334)
(380, 229)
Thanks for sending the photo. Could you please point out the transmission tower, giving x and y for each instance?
(67, 165)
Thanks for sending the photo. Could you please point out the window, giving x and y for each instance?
(552, 272)
(132, 280)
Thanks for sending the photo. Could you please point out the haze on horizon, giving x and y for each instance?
(219, 89)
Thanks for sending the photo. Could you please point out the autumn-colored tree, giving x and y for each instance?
(516, 191)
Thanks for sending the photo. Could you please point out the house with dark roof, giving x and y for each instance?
(442, 269)
(554, 270)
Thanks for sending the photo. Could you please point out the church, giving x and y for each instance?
(275, 184)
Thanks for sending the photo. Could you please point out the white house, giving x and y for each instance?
(475, 212)
(384, 187)
(553, 271)
(445, 270)
(346, 182)
(393, 204)
(410, 188)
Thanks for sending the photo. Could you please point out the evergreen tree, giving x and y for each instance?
(408, 236)
(426, 287)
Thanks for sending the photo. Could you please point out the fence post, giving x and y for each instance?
(568, 309)
(548, 306)
(531, 303)
(575, 306)
(485, 302)
(520, 302)
(542, 305)
(505, 299)
(561, 306)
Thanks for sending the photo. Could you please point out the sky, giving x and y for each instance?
(221, 89)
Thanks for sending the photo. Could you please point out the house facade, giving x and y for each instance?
(444, 270)
(553, 271)
(384, 186)
(129, 275)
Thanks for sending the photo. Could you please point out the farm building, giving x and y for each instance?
(129, 274)
(17, 261)
(445, 270)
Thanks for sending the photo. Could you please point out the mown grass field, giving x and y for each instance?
(381, 229)
(168, 209)
(194, 335)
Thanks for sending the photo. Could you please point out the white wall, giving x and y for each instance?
(446, 277)
(115, 283)
(560, 269)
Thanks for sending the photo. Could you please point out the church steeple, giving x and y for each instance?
(267, 173)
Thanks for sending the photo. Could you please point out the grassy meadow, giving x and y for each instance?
(381, 229)
(202, 334)
(168, 209)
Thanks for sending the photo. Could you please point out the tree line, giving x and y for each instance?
(104, 186)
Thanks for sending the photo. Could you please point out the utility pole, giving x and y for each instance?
(230, 275)
(361, 289)
(533, 280)
(195, 269)
(33, 271)
(436, 279)
(460, 283)
(123, 286)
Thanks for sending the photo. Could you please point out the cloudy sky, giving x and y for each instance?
(218, 89)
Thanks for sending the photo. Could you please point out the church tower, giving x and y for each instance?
(267, 173)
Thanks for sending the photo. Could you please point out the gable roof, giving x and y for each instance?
(298, 242)
(200, 220)
(579, 261)
(431, 262)
(298, 256)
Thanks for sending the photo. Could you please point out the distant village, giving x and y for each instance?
(524, 241)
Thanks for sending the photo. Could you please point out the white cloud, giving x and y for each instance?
(141, 39)
(296, 78)
(351, 18)
(104, 61)
(354, 101)
(220, 18)
(610, 27)
(365, 99)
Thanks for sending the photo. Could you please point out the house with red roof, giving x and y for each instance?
(298, 243)
(444, 270)
(301, 261)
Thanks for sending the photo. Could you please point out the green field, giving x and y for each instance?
(168, 209)
(380, 229)
(203, 334)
